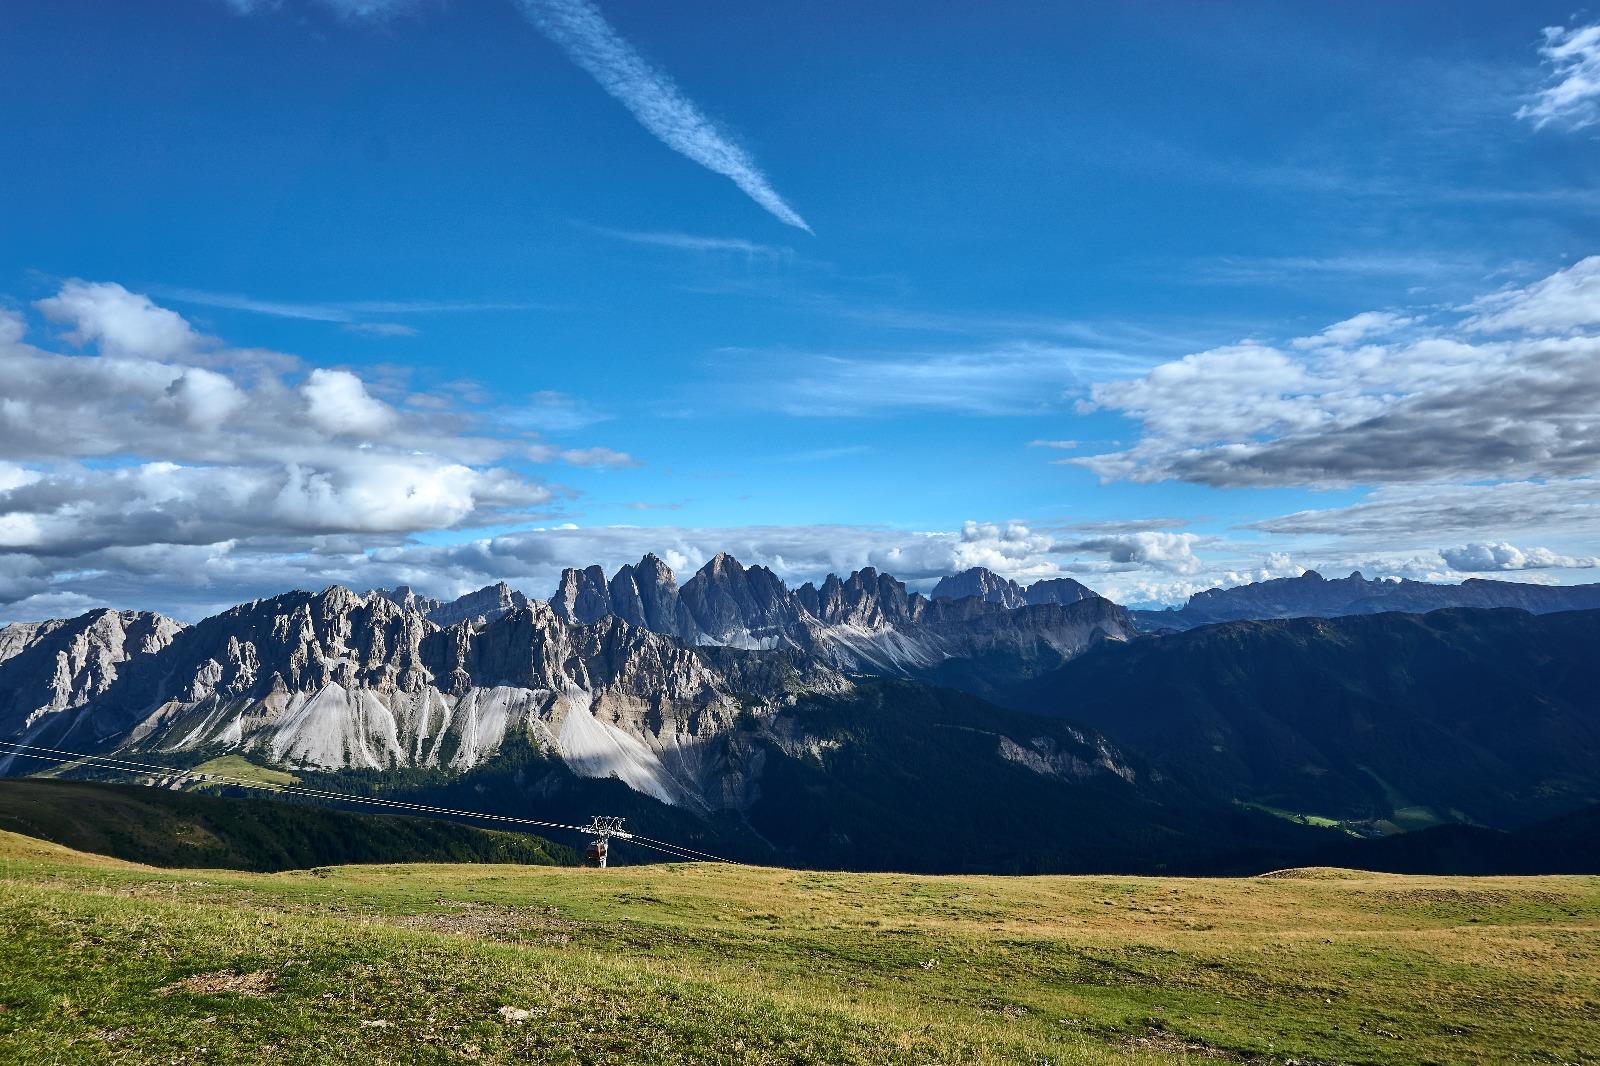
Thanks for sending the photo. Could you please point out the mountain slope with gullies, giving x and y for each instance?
(823, 725)
(336, 680)
(1459, 715)
(630, 677)
(898, 775)
(59, 666)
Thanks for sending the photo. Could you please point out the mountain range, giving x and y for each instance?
(1313, 596)
(856, 723)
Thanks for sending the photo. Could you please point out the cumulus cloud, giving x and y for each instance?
(1359, 406)
(1571, 98)
(1479, 557)
(580, 30)
(1155, 549)
(133, 465)
(123, 324)
(12, 327)
(337, 402)
(203, 399)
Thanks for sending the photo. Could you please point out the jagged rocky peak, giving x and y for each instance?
(484, 605)
(582, 595)
(64, 663)
(866, 599)
(406, 596)
(646, 595)
(990, 587)
(983, 583)
(1058, 590)
(744, 607)
(301, 642)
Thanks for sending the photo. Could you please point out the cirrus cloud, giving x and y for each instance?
(1571, 99)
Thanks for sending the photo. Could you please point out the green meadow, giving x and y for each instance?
(107, 961)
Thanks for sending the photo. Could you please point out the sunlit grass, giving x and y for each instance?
(102, 961)
(238, 768)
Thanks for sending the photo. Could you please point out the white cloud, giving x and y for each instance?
(390, 495)
(204, 399)
(1358, 406)
(359, 10)
(1479, 557)
(553, 412)
(119, 470)
(121, 323)
(1357, 327)
(12, 327)
(1171, 553)
(1571, 100)
(337, 402)
(579, 28)
(1563, 301)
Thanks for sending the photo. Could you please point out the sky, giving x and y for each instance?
(1160, 296)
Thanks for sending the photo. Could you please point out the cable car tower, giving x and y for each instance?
(601, 828)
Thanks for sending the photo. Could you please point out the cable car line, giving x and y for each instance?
(131, 766)
(679, 847)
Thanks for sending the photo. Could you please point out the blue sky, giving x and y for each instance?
(905, 284)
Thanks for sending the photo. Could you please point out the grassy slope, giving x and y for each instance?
(185, 829)
(676, 964)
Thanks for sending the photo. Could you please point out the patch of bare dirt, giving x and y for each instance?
(1161, 1042)
(258, 984)
(494, 923)
(1313, 873)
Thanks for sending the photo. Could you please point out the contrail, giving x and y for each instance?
(655, 100)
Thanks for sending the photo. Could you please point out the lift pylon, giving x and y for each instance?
(601, 829)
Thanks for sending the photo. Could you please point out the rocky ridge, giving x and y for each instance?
(1313, 596)
(868, 622)
(57, 666)
(992, 588)
(631, 676)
